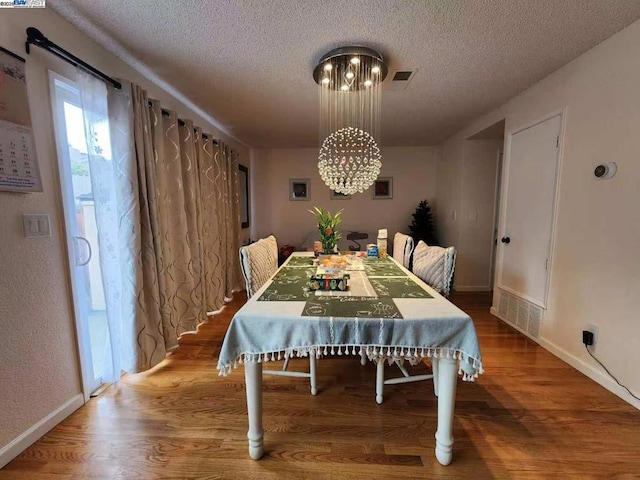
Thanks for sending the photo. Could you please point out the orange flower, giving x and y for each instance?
(328, 231)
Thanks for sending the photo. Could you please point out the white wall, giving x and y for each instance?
(39, 369)
(414, 178)
(595, 274)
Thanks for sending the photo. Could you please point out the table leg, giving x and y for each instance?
(447, 379)
(363, 357)
(253, 380)
(312, 372)
(434, 369)
(380, 381)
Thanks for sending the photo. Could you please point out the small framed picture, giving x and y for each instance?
(339, 196)
(383, 188)
(299, 189)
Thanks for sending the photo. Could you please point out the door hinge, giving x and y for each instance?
(546, 264)
(557, 141)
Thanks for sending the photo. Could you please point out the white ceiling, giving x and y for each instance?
(248, 63)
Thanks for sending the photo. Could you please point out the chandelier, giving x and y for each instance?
(349, 80)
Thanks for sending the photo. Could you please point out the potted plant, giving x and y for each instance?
(327, 224)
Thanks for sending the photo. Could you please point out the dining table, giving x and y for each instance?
(387, 314)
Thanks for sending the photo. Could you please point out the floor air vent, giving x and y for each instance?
(524, 315)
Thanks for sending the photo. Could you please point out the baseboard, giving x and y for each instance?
(471, 288)
(27, 438)
(597, 376)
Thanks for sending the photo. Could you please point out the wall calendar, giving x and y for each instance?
(19, 170)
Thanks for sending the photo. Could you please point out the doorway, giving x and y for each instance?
(480, 205)
(81, 232)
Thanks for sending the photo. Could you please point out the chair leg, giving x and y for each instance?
(380, 381)
(363, 357)
(402, 369)
(434, 368)
(312, 372)
(285, 365)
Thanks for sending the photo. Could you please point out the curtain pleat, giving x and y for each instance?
(213, 266)
(150, 329)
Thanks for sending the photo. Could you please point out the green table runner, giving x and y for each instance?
(295, 261)
(387, 279)
(382, 267)
(351, 307)
(289, 285)
(394, 287)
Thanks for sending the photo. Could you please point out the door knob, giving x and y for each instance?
(505, 240)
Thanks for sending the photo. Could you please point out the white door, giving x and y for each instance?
(529, 210)
(81, 231)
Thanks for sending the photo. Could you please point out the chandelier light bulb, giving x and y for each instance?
(344, 88)
(350, 75)
(373, 70)
(368, 83)
(326, 80)
(355, 60)
(328, 67)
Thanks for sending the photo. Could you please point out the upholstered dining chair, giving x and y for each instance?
(402, 248)
(434, 266)
(259, 261)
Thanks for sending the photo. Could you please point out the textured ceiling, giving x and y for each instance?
(248, 63)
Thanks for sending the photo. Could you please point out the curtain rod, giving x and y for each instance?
(35, 37)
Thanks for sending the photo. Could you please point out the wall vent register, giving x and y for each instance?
(525, 316)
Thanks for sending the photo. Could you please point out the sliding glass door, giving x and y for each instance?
(81, 231)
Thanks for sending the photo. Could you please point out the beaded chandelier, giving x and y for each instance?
(349, 80)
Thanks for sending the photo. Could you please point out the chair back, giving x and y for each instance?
(259, 261)
(435, 266)
(402, 248)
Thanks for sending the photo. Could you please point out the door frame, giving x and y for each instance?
(506, 159)
(82, 331)
(495, 223)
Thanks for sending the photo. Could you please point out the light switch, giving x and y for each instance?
(36, 225)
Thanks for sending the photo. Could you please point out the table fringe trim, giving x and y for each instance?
(374, 352)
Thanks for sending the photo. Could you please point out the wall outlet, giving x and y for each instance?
(593, 329)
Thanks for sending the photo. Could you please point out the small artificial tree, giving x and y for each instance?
(423, 226)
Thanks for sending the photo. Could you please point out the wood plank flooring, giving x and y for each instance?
(530, 416)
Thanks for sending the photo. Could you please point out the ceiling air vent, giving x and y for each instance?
(400, 79)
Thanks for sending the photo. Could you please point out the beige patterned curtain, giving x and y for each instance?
(189, 227)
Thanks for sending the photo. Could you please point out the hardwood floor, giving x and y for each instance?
(530, 416)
